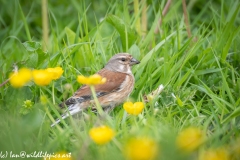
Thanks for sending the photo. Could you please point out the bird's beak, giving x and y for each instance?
(134, 61)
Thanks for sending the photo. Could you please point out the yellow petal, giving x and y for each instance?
(92, 80)
(128, 107)
(104, 80)
(215, 154)
(42, 77)
(133, 109)
(138, 107)
(56, 72)
(20, 78)
(190, 139)
(82, 79)
(96, 79)
(141, 148)
(101, 135)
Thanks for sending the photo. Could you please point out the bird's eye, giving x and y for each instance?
(123, 59)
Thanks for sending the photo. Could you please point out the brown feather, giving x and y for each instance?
(118, 87)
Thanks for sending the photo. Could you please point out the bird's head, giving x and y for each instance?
(121, 62)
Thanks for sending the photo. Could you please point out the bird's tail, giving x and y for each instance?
(71, 111)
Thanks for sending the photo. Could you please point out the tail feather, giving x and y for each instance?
(72, 110)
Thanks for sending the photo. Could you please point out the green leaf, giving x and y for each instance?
(32, 46)
(148, 56)
(70, 36)
(220, 103)
(229, 32)
(54, 59)
(42, 56)
(229, 42)
(79, 49)
(134, 51)
(32, 60)
(179, 101)
(234, 114)
(128, 35)
(17, 96)
(36, 54)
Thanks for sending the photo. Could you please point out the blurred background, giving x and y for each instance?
(191, 47)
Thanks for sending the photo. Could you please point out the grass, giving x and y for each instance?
(202, 71)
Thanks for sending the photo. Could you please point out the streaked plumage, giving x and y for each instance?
(119, 85)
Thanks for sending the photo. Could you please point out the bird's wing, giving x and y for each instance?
(112, 84)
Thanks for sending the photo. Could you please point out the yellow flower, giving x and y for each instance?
(133, 109)
(42, 77)
(141, 148)
(215, 154)
(56, 72)
(20, 78)
(60, 156)
(101, 135)
(92, 80)
(190, 139)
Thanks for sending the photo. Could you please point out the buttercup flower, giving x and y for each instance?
(56, 72)
(215, 154)
(42, 77)
(101, 135)
(92, 80)
(141, 148)
(190, 139)
(20, 78)
(60, 156)
(133, 108)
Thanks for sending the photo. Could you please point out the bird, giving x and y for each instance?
(117, 88)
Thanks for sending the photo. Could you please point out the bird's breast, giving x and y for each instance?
(119, 96)
(127, 85)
